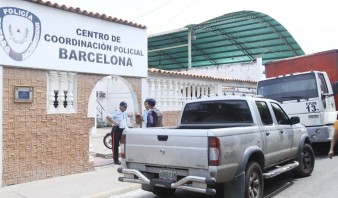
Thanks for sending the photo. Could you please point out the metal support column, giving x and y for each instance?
(189, 50)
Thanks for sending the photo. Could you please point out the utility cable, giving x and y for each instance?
(172, 18)
(153, 10)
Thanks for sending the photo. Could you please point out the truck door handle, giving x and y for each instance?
(281, 132)
(162, 138)
(267, 133)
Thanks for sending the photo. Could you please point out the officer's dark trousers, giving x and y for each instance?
(116, 137)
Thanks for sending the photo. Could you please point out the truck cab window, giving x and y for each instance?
(281, 117)
(295, 87)
(264, 112)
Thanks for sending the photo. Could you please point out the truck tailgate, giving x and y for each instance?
(167, 147)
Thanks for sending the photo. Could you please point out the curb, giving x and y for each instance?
(103, 163)
(116, 191)
(106, 156)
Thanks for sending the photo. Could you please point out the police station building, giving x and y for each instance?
(51, 58)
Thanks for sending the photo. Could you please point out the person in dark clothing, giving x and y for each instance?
(154, 118)
(119, 118)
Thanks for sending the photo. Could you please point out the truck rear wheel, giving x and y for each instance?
(163, 192)
(306, 162)
(254, 184)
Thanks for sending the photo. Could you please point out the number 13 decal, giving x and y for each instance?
(311, 106)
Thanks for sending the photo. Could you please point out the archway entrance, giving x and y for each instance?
(106, 97)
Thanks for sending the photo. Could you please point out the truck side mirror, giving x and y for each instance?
(294, 120)
(335, 87)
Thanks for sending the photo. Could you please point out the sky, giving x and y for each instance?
(313, 23)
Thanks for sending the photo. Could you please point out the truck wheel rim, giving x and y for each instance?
(306, 160)
(254, 185)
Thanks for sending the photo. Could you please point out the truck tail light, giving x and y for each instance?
(122, 146)
(214, 151)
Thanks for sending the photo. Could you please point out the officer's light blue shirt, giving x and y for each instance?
(144, 116)
(121, 117)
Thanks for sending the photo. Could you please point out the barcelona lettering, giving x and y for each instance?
(94, 57)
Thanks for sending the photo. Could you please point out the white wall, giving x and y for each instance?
(115, 91)
(245, 71)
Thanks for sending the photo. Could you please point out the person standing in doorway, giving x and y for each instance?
(154, 118)
(119, 118)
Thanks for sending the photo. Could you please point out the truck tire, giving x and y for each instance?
(163, 192)
(254, 184)
(306, 162)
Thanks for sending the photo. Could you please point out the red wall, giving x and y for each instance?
(323, 61)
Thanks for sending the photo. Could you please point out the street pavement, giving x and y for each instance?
(100, 183)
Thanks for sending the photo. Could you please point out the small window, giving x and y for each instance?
(322, 83)
(281, 117)
(264, 112)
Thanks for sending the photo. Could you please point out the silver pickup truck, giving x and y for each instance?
(224, 144)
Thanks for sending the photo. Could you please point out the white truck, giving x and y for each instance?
(308, 95)
(226, 145)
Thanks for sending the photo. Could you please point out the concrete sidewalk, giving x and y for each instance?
(103, 182)
(96, 184)
(97, 143)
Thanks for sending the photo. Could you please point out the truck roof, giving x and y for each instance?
(236, 96)
(292, 74)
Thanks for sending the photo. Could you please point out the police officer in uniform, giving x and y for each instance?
(119, 118)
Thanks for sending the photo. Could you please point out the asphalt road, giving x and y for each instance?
(322, 183)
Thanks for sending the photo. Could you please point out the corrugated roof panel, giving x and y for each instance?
(230, 38)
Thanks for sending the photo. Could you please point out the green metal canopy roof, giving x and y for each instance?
(237, 37)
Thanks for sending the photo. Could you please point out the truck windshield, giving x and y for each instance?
(302, 86)
(206, 112)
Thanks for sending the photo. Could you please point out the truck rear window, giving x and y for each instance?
(226, 111)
